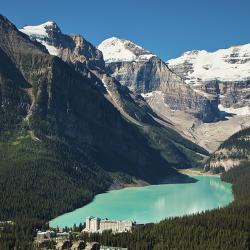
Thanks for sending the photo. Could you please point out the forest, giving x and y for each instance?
(224, 228)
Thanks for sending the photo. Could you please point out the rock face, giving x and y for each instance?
(225, 72)
(204, 95)
(71, 48)
(130, 105)
(86, 59)
(145, 73)
(58, 101)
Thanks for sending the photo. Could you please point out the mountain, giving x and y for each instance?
(226, 74)
(121, 50)
(233, 152)
(59, 133)
(88, 60)
(225, 71)
(69, 131)
(146, 74)
(205, 96)
(71, 48)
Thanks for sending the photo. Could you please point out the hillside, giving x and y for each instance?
(232, 153)
(88, 60)
(225, 73)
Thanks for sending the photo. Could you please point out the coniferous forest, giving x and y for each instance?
(225, 228)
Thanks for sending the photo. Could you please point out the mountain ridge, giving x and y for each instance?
(132, 106)
(59, 132)
(215, 105)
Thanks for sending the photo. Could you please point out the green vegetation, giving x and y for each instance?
(225, 228)
(175, 149)
(236, 148)
(44, 171)
(40, 179)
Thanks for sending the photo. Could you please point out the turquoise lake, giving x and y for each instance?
(153, 203)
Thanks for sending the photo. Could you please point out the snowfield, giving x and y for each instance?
(38, 31)
(120, 50)
(232, 64)
(40, 34)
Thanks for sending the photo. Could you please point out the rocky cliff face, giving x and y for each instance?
(87, 60)
(71, 48)
(224, 72)
(129, 104)
(63, 103)
(145, 73)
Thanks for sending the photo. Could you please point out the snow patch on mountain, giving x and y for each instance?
(120, 50)
(40, 33)
(232, 64)
(51, 49)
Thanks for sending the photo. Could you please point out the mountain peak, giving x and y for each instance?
(41, 30)
(44, 33)
(115, 49)
(231, 64)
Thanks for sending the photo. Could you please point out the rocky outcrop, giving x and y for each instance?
(235, 93)
(148, 73)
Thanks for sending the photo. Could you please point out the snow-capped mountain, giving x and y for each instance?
(146, 74)
(232, 64)
(88, 60)
(225, 72)
(71, 48)
(42, 34)
(120, 50)
(200, 95)
(199, 84)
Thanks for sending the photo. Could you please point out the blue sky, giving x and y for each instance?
(167, 28)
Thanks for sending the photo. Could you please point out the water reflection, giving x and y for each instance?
(220, 186)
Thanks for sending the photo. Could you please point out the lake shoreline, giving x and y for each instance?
(184, 177)
(157, 201)
(117, 185)
(192, 172)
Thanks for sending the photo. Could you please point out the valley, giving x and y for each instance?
(114, 131)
